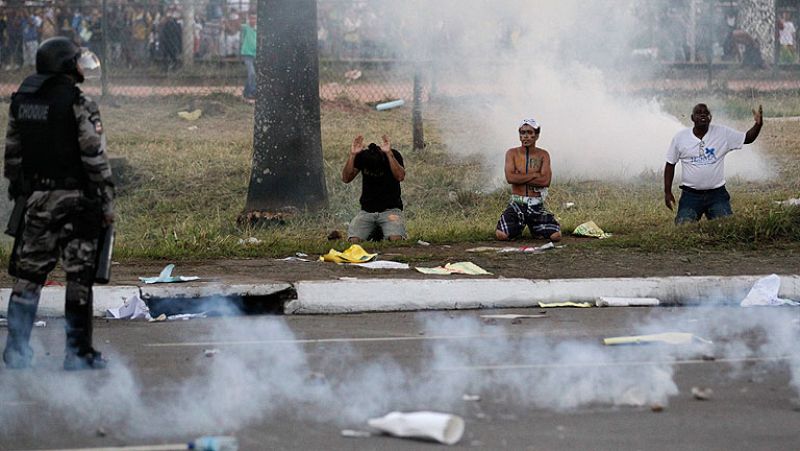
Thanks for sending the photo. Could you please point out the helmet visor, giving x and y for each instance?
(88, 61)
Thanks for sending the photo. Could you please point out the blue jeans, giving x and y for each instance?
(714, 203)
(250, 84)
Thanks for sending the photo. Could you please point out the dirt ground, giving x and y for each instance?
(576, 259)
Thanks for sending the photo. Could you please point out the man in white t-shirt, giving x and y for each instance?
(701, 151)
(786, 37)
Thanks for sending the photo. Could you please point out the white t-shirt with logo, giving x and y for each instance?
(786, 34)
(703, 160)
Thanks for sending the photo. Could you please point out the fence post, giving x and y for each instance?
(416, 111)
(104, 93)
(188, 33)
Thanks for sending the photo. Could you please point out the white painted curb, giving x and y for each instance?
(52, 301)
(211, 289)
(383, 295)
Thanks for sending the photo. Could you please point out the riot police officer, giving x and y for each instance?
(56, 163)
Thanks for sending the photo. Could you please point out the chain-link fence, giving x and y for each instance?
(366, 49)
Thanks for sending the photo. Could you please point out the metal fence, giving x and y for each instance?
(161, 47)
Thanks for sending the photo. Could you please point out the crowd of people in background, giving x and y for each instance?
(141, 33)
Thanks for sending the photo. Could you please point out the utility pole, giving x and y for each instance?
(287, 174)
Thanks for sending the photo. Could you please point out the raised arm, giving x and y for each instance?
(398, 171)
(349, 172)
(752, 134)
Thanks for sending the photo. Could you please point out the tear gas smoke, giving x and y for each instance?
(261, 371)
(565, 63)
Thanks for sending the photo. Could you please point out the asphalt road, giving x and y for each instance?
(543, 383)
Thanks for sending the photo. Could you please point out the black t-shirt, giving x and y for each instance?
(380, 191)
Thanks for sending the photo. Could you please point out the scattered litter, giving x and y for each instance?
(352, 75)
(166, 276)
(132, 308)
(355, 434)
(293, 259)
(353, 254)
(300, 254)
(251, 240)
(590, 229)
(192, 128)
(765, 292)
(210, 352)
(564, 304)
(384, 264)
(793, 202)
(485, 249)
(528, 249)
(190, 116)
(348, 278)
(423, 243)
(512, 316)
(389, 105)
(468, 397)
(608, 301)
(441, 427)
(702, 394)
(455, 268)
(673, 338)
(159, 318)
(186, 316)
(569, 204)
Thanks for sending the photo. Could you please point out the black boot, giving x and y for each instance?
(21, 313)
(79, 354)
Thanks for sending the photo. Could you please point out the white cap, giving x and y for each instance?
(532, 122)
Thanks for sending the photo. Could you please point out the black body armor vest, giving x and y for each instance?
(45, 118)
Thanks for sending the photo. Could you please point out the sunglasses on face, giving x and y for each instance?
(528, 132)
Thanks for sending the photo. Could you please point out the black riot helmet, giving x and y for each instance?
(59, 55)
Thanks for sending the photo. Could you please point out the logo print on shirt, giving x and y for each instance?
(709, 157)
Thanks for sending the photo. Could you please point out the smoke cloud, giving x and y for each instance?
(567, 64)
(261, 370)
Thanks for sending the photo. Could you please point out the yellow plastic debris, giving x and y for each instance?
(190, 116)
(672, 338)
(353, 254)
(590, 229)
(565, 304)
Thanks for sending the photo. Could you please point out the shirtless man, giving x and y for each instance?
(527, 169)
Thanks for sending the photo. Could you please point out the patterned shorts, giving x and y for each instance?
(541, 222)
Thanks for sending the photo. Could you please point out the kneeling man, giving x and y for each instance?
(527, 169)
(381, 214)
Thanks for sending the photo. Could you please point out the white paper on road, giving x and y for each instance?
(609, 301)
(672, 338)
(133, 308)
(765, 292)
(512, 316)
(384, 264)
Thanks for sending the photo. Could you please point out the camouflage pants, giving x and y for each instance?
(58, 224)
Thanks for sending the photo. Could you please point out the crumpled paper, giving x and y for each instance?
(133, 308)
(765, 293)
(590, 229)
(468, 268)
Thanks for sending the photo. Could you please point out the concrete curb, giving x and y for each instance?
(382, 295)
(386, 295)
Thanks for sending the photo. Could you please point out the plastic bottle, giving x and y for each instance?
(215, 443)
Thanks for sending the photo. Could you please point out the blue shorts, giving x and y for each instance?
(714, 203)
